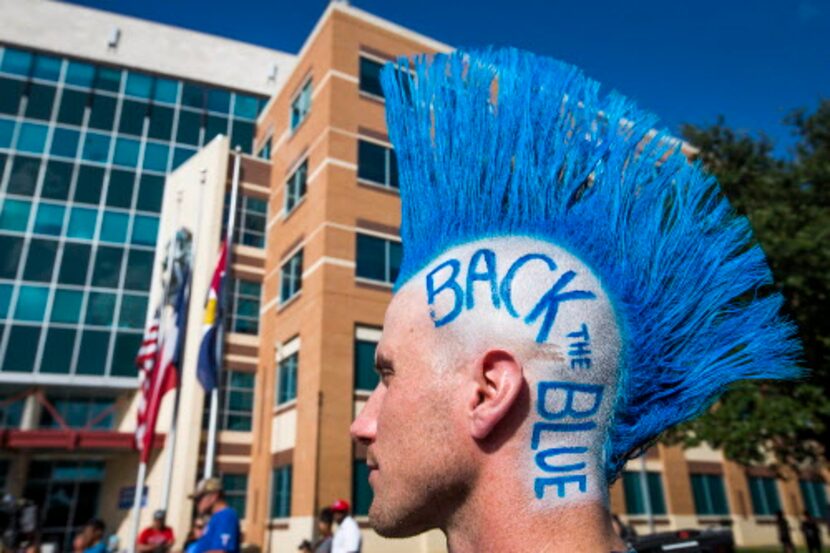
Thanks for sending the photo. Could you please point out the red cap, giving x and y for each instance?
(340, 505)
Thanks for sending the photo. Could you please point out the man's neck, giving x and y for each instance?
(500, 519)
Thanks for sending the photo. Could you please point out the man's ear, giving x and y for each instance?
(498, 379)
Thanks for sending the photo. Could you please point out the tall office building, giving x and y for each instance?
(109, 141)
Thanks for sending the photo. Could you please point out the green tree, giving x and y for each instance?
(788, 203)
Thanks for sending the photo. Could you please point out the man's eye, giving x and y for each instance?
(385, 376)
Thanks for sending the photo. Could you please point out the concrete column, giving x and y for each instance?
(678, 486)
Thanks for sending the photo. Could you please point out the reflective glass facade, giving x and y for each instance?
(84, 150)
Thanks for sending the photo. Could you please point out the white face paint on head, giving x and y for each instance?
(519, 295)
(541, 303)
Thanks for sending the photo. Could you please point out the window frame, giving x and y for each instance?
(301, 104)
(280, 507)
(287, 352)
(291, 268)
(387, 258)
(296, 187)
(388, 160)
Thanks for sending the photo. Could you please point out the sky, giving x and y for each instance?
(752, 62)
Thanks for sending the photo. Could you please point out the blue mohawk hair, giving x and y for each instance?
(503, 142)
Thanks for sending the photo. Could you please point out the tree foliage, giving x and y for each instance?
(788, 203)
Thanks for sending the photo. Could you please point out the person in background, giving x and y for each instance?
(91, 538)
(196, 531)
(325, 522)
(347, 538)
(784, 537)
(812, 533)
(222, 530)
(305, 547)
(157, 538)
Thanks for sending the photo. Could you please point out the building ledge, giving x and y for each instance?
(71, 439)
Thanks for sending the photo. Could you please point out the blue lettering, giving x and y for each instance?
(560, 482)
(507, 284)
(488, 275)
(450, 284)
(549, 304)
(542, 459)
(570, 390)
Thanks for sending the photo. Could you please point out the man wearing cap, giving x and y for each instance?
(158, 538)
(571, 286)
(222, 531)
(347, 538)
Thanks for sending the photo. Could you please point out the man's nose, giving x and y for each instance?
(365, 426)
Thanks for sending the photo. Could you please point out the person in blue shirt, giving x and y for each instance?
(222, 531)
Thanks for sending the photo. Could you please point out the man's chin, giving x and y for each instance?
(398, 525)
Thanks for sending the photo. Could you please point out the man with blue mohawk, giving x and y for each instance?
(571, 287)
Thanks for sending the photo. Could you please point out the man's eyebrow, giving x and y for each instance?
(382, 363)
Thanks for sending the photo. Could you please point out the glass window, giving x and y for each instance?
(78, 412)
(41, 260)
(5, 299)
(82, 223)
(16, 62)
(370, 76)
(65, 142)
(245, 106)
(89, 185)
(301, 105)
(145, 230)
(180, 155)
(244, 309)
(21, 359)
(47, 68)
(133, 311)
(100, 308)
(107, 78)
(120, 188)
(41, 100)
(189, 128)
(362, 494)
(11, 92)
(72, 106)
(107, 267)
(709, 494)
(74, 263)
(80, 74)
(265, 150)
(764, 493)
(295, 187)
(123, 356)
(96, 147)
(66, 307)
(114, 227)
(242, 135)
(218, 100)
(166, 91)
(32, 138)
(249, 225)
(291, 277)
(139, 270)
(378, 259)
(376, 164)
(92, 358)
(24, 175)
(634, 500)
(365, 376)
(138, 85)
(235, 487)
(102, 112)
(161, 122)
(214, 126)
(193, 96)
(287, 383)
(15, 215)
(236, 402)
(11, 246)
(155, 156)
(126, 152)
(815, 497)
(31, 303)
(281, 492)
(6, 132)
(49, 219)
(57, 355)
(150, 193)
(132, 117)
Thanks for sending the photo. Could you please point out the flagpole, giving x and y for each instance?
(210, 451)
(142, 466)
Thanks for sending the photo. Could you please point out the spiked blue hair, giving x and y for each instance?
(503, 142)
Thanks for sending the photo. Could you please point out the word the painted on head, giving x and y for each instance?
(567, 410)
(579, 348)
(483, 270)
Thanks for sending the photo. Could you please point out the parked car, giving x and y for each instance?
(710, 540)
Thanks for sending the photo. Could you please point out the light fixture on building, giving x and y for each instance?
(272, 76)
(115, 36)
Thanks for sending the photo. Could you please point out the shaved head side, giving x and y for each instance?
(545, 308)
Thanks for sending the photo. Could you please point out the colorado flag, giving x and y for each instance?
(207, 367)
